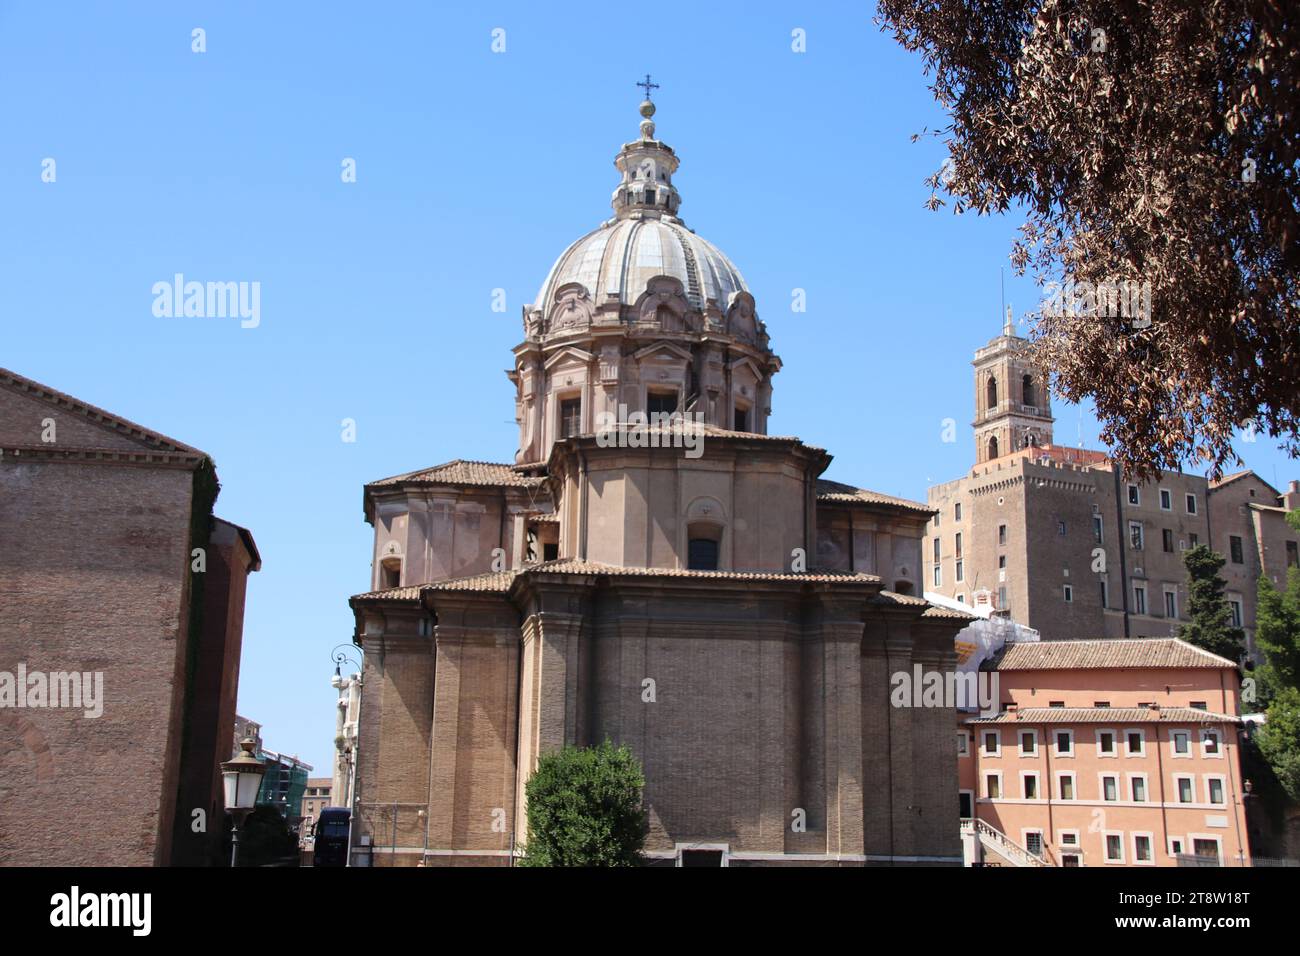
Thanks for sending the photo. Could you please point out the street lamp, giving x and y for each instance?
(242, 778)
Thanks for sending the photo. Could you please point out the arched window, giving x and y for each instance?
(991, 393)
(993, 447)
(390, 573)
(1028, 383)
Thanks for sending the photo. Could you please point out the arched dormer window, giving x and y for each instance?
(991, 393)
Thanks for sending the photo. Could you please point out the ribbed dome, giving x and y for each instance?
(621, 256)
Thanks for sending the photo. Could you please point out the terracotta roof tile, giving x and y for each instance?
(835, 492)
(409, 593)
(461, 472)
(1106, 715)
(1114, 652)
(573, 566)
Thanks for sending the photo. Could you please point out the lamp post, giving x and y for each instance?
(242, 777)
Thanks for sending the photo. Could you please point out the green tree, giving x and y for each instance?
(1211, 625)
(1279, 739)
(584, 808)
(1277, 634)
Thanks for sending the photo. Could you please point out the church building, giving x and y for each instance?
(653, 568)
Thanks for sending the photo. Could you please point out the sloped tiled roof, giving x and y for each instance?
(461, 472)
(1106, 715)
(499, 581)
(835, 492)
(410, 592)
(574, 566)
(1114, 652)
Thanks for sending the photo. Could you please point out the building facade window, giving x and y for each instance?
(1135, 535)
(1002, 534)
(1191, 504)
(1166, 500)
(959, 571)
(1167, 540)
(570, 417)
(957, 543)
(1234, 548)
(1171, 604)
(1235, 604)
(1068, 594)
(1097, 528)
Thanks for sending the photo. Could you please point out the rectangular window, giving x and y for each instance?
(1138, 789)
(1198, 705)
(1139, 599)
(963, 745)
(1002, 534)
(1060, 528)
(1002, 561)
(1114, 848)
(1292, 554)
(938, 575)
(992, 743)
(1182, 743)
(1065, 743)
(1106, 743)
(1171, 604)
(956, 511)
(1134, 496)
(1135, 743)
(1096, 528)
(570, 417)
(1110, 787)
(936, 550)
(1234, 546)
(741, 420)
(960, 571)
(1135, 535)
(1166, 500)
(1193, 539)
(1214, 787)
(1191, 504)
(1002, 598)
(1235, 604)
(957, 543)
(1028, 743)
(1141, 848)
(1030, 781)
(1068, 594)
(1167, 540)
(1065, 784)
(661, 403)
(1105, 601)
(993, 786)
(1210, 743)
(1206, 848)
(1184, 787)
(1034, 842)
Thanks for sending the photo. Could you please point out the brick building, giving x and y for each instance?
(1060, 539)
(692, 589)
(99, 522)
(1105, 753)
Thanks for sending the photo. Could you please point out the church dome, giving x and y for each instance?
(617, 261)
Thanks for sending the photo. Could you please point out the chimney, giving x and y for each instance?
(1291, 500)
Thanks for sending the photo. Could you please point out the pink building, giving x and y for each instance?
(1104, 753)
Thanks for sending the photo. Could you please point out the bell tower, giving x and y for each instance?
(1013, 409)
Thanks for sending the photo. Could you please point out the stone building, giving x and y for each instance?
(104, 525)
(1066, 544)
(685, 584)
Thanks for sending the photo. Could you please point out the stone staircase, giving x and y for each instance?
(990, 838)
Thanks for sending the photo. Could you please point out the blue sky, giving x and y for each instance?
(474, 170)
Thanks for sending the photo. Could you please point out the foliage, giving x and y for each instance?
(1147, 142)
(584, 808)
(1279, 740)
(1277, 633)
(1210, 625)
